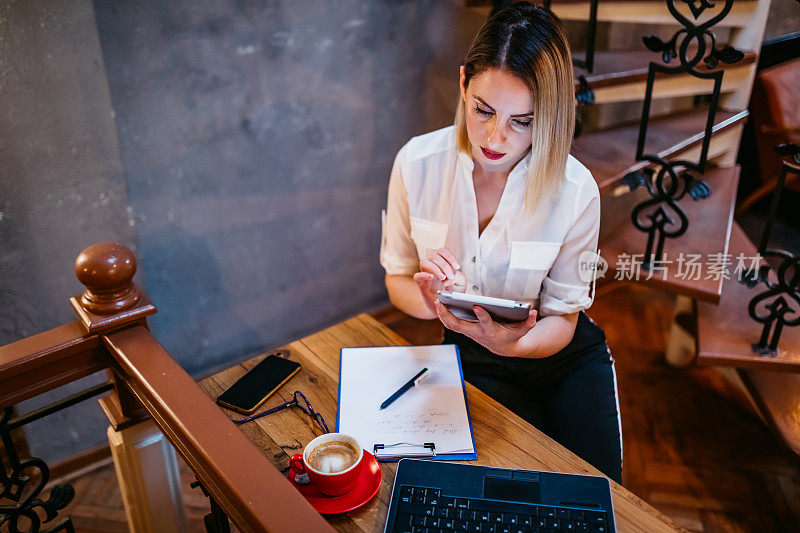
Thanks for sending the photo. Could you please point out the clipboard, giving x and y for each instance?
(447, 412)
(404, 450)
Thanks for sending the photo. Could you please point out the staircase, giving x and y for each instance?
(711, 324)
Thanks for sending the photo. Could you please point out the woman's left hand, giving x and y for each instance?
(497, 338)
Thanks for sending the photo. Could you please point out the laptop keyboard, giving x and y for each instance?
(426, 510)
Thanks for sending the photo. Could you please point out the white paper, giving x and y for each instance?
(433, 411)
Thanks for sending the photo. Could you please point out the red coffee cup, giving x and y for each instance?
(332, 463)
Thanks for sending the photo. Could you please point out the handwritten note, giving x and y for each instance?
(433, 411)
(418, 425)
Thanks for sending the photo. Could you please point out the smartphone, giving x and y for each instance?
(258, 384)
(500, 309)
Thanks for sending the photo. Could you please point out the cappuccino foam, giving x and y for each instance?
(331, 457)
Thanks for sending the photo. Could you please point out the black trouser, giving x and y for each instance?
(570, 396)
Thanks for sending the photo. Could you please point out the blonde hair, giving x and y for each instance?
(530, 42)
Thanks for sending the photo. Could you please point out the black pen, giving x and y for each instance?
(411, 382)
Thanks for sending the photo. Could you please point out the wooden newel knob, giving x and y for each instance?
(106, 269)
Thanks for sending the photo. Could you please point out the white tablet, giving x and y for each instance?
(500, 309)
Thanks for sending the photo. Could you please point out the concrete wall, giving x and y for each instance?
(257, 140)
(61, 186)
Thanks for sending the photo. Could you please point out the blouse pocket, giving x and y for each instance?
(533, 255)
(428, 236)
(528, 266)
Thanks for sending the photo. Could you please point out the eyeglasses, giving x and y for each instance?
(296, 400)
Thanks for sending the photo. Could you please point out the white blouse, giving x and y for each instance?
(535, 257)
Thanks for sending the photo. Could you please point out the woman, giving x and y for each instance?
(495, 205)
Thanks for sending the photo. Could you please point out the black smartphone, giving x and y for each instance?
(258, 384)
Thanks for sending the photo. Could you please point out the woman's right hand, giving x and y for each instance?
(440, 272)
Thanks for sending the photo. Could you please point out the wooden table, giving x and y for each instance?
(502, 438)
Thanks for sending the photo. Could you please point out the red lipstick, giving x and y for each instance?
(490, 154)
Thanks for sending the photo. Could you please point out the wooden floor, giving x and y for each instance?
(97, 507)
(695, 453)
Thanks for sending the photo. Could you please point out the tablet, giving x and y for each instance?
(500, 309)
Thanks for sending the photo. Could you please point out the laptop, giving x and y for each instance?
(432, 496)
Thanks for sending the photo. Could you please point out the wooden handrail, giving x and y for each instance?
(111, 333)
(236, 474)
(40, 363)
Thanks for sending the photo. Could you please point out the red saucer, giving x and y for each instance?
(365, 488)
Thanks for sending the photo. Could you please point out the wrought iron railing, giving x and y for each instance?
(24, 479)
(667, 182)
(779, 305)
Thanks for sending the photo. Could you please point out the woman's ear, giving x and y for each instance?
(462, 79)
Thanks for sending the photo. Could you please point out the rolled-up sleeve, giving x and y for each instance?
(398, 252)
(566, 290)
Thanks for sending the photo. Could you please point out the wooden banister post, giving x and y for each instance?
(106, 269)
(111, 299)
(145, 462)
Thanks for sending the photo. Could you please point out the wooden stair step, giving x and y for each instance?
(621, 76)
(777, 395)
(634, 11)
(647, 12)
(609, 154)
(709, 229)
(626, 2)
(726, 332)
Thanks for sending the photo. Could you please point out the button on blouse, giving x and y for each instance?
(534, 257)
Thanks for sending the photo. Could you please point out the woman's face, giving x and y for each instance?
(499, 111)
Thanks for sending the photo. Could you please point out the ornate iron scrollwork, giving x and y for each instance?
(585, 94)
(661, 217)
(779, 305)
(22, 482)
(673, 182)
(697, 6)
(587, 62)
(216, 521)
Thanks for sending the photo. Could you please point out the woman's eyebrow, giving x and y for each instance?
(521, 115)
